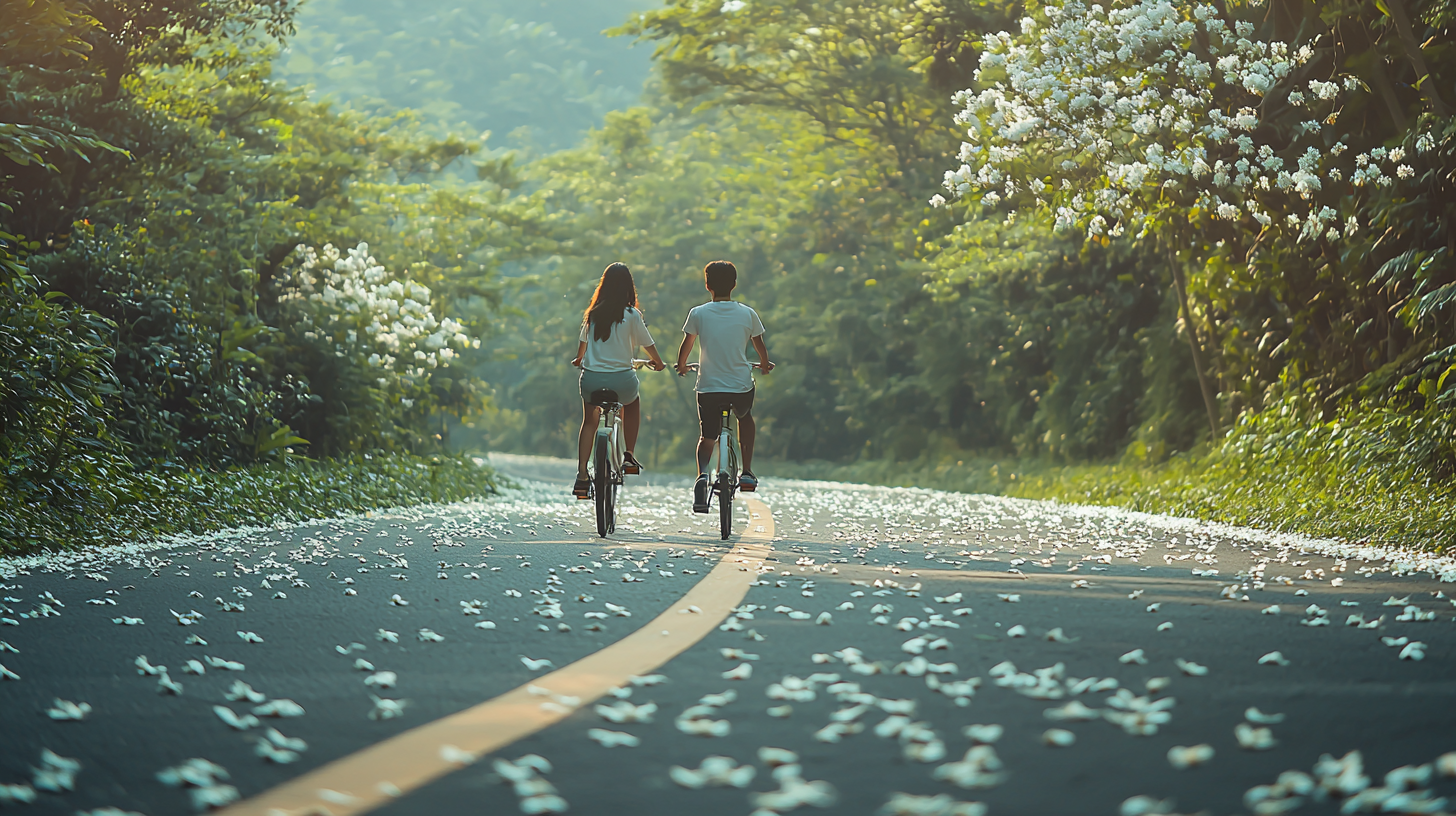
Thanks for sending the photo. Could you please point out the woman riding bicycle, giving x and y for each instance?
(611, 330)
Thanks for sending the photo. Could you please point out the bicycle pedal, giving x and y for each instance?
(631, 470)
(747, 488)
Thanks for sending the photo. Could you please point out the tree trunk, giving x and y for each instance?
(1210, 401)
(1418, 61)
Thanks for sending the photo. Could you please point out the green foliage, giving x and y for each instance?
(539, 71)
(146, 506)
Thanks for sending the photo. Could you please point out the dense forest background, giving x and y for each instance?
(242, 237)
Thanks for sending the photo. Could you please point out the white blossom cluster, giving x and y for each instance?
(1101, 115)
(360, 310)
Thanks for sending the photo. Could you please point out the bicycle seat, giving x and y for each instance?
(604, 397)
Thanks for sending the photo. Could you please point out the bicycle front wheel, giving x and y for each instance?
(605, 487)
(725, 507)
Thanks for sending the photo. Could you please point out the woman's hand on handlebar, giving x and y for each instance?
(764, 366)
(655, 365)
(576, 361)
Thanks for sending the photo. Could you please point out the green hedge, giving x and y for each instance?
(146, 505)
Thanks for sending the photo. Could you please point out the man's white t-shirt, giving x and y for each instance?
(615, 353)
(724, 328)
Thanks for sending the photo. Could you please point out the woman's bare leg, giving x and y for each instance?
(632, 422)
(588, 433)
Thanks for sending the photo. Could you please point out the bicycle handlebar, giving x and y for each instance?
(694, 366)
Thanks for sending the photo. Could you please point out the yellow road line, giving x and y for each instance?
(374, 776)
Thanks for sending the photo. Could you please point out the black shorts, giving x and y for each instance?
(711, 405)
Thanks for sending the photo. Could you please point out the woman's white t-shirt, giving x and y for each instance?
(615, 353)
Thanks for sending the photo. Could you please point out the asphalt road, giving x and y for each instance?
(1159, 629)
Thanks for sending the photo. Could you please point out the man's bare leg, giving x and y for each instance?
(746, 432)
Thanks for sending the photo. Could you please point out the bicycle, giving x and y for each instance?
(726, 483)
(607, 457)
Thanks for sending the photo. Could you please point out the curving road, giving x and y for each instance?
(905, 651)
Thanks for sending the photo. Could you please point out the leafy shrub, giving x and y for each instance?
(145, 505)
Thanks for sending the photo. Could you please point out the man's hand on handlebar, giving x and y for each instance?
(684, 368)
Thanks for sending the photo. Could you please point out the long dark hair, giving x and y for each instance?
(609, 303)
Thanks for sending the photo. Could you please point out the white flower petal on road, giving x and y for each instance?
(613, 739)
(219, 663)
(128, 621)
(166, 685)
(429, 636)
(713, 771)
(1009, 597)
(983, 734)
(234, 720)
(383, 680)
(351, 648)
(780, 711)
(980, 768)
(532, 664)
(455, 755)
(824, 619)
(16, 794)
(1016, 631)
(143, 667)
(1190, 668)
(360, 664)
(1274, 659)
(1165, 626)
(1415, 650)
(1258, 717)
(485, 624)
(194, 667)
(194, 640)
(1145, 806)
(1135, 656)
(906, 804)
(67, 710)
(1270, 610)
(742, 672)
(250, 637)
(1074, 711)
(1184, 757)
(624, 712)
(274, 754)
(1058, 636)
(1254, 739)
(278, 740)
(385, 709)
(384, 635)
(395, 600)
(1058, 737)
(279, 708)
(56, 773)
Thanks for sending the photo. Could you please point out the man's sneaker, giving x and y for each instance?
(747, 482)
(582, 489)
(700, 494)
(630, 464)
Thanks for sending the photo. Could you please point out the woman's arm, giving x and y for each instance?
(580, 353)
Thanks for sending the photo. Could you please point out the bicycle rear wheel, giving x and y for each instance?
(605, 487)
(725, 506)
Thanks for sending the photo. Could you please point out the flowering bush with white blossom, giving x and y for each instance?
(1117, 117)
(356, 309)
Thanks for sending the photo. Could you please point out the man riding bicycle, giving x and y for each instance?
(725, 377)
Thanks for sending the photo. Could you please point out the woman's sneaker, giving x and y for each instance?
(630, 465)
(747, 482)
(582, 489)
(700, 494)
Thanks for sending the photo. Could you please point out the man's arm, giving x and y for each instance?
(762, 350)
(682, 354)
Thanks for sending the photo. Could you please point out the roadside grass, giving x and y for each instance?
(137, 506)
(1293, 490)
